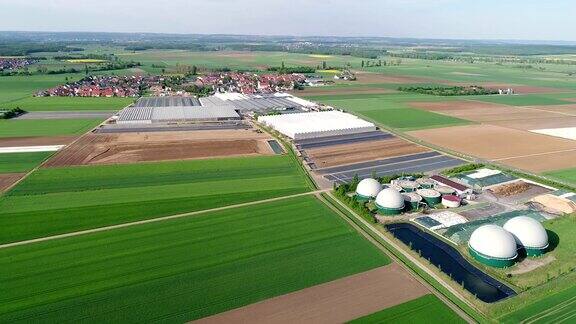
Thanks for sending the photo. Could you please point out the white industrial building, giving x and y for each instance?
(317, 124)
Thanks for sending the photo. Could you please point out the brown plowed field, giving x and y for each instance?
(322, 91)
(34, 141)
(359, 152)
(6, 180)
(563, 109)
(480, 141)
(371, 77)
(538, 123)
(160, 146)
(544, 162)
(338, 301)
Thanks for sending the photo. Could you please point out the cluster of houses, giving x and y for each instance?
(103, 86)
(250, 83)
(7, 64)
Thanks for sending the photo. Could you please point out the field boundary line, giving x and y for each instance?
(534, 154)
(153, 220)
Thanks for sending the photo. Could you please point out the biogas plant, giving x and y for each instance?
(465, 222)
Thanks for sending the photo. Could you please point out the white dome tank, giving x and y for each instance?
(528, 232)
(368, 188)
(493, 241)
(390, 198)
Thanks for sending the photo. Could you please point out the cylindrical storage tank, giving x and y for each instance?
(493, 246)
(411, 200)
(425, 183)
(529, 234)
(368, 189)
(408, 185)
(390, 202)
(444, 190)
(430, 196)
(451, 201)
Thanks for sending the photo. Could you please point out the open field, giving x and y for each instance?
(365, 151)
(59, 200)
(193, 272)
(161, 146)
(52, 127)
(70, 103)
(8, 179)
(568, 175)
(392, 111)
(517, 148)
(426, 309)
(19, 87)
(525, 100)
(556, 307)
(21, 162)
(334, 302)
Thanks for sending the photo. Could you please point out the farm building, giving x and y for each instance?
(529, 234)
(459, 188)
(494, 246)
(152, 110)
(368, 189)
(317, 124)
(390, 202)
(278, 102)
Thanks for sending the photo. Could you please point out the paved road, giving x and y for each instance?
(154, 220)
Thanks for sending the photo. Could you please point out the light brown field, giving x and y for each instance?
(509, 146)
(543, 162)
(338, 301)
(364, 77)
(33, 141)
(8, 179)
(359, 152)
(160, 146)
(322, 91)
(562, 109)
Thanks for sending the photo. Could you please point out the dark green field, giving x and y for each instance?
(70, 103)
(21, 162)
(53, 201)
(46, 127)
(426, 309)
(183, 269)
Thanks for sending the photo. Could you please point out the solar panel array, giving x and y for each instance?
(167, 102)
(264, 104)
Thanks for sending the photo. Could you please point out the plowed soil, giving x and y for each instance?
(6, 180)
(338, 301)
(34, 141)
(360, 152)
(515, 147)
(371, 77)
(160, 146)
(322, 91)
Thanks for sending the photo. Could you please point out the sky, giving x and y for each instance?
(455, 19)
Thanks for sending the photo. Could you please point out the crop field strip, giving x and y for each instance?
(193, 270)
(428, 309)
(52, 127)
(70, 103)
(60, 200)
(21, 162)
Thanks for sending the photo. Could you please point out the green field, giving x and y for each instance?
(568, 175)
(392, 110)
(46, 127)
(555, 307)
(183, 269)
(426, 309)
(18, 87)
(21, 162)
(70, 103)
(525, 100)
(53, 201)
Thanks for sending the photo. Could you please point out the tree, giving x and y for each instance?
(86, 69)
(194, 70)
(362, 63)
(323, 65)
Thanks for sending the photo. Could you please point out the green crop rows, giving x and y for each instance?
(21, 162)
(426, 309)
(60, 200)
(183, 269)
(46, 127)
(69, 103)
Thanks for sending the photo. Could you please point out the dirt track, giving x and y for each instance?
(359, 152)
(6, 180)
(33, 141)
(333, 302)
(160, 146)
